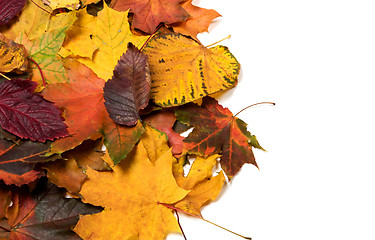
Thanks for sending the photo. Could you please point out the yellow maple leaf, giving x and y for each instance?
(204, 187)
(130, 196)
(111, 36)
(182, 70)
(78, 41)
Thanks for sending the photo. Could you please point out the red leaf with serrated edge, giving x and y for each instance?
(17, 161)
(9, 9)
(148, 14)
(129, 89)
(27, 114)
(216, 130)
(45, 213)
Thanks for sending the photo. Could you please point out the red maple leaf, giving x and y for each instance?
(216, 130)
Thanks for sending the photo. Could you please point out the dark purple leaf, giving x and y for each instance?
(46, 214)
(17, 160)
(129, 89)
(9, 9)
(27, 114)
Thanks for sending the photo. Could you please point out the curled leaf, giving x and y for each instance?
(13, 56)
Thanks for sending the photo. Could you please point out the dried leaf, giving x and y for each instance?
(13, 56)
(216, 130)
(28, 115)
(182, 70)
(148, 14)
(129, 89)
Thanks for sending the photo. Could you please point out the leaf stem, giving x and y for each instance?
(40, 70)
(148, 39)
(255, 104)
(229, 36)
(5, 229)
(41, 7)
(197, 216)
(5, 76)
(179, 224)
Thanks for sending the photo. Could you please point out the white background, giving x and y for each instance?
(316, 60)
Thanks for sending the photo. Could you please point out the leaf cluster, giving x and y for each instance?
(94, 96)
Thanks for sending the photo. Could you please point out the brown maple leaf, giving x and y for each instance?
(148, 14)
(216, 130)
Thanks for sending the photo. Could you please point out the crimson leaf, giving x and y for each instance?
(216, 130)
(129, 89)
(27, 114)
(9, 9)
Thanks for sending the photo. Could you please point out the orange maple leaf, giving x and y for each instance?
(148, 14)
(198, 22)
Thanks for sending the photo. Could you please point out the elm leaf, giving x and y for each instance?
(27, 114)
(129, 89)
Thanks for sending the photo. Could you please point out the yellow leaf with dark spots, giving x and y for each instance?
(13, 56)
(182, 70)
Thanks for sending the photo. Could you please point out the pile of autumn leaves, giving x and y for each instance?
(97, 98)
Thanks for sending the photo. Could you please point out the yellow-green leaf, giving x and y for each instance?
(44, 51)
(182, 70)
